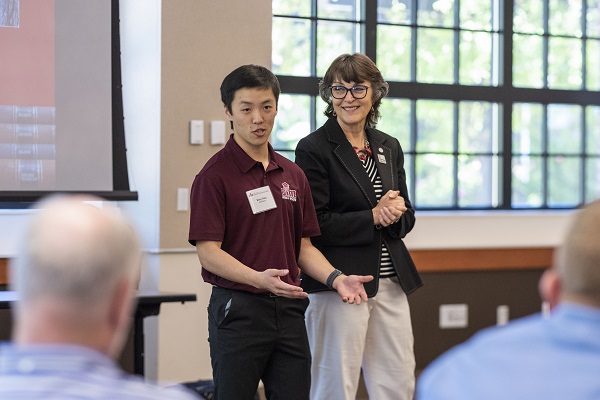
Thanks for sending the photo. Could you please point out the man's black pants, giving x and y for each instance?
(254, 337)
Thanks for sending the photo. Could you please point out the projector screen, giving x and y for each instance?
(61, 117)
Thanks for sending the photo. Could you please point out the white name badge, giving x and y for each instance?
(261, 199)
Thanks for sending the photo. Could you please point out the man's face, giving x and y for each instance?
(253, 112)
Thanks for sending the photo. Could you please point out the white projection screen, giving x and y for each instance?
(61, 116)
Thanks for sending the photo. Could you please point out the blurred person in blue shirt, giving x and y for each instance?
(536, 357)
(75, 275)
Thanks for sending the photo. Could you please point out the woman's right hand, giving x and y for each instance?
(389, 209)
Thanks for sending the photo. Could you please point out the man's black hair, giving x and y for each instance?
(248, 76)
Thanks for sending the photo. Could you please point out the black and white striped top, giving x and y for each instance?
(386, 268)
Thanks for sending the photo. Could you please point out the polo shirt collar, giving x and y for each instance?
(244, 162)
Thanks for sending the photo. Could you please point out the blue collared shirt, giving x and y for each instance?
(531, 358)
(71, 372)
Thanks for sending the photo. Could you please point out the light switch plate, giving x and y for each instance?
(196, 131)
(183, 195)
(217, 132)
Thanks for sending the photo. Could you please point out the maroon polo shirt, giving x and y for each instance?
(221, 211)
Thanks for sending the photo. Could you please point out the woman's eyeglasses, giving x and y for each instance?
(358, 91)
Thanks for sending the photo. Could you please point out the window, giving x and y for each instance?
(495, 102)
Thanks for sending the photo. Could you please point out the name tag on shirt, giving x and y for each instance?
(261, 199)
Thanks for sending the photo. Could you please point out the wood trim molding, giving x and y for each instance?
(3, 271)
(452, 260)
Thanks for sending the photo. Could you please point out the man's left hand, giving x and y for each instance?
(351, 288)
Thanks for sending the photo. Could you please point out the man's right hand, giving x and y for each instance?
(270, 280)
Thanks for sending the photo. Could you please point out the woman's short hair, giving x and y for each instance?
(355, 68)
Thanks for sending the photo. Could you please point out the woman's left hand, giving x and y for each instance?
(389, 216)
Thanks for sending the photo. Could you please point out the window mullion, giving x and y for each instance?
(369, 29)
(413, 41)
(545, 157)
(506, 65)
(546, 42)
(413, 140)
(456, 155)
(456, 35)
(313, 38)
(583, 156)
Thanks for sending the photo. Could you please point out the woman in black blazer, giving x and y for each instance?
(357, 178)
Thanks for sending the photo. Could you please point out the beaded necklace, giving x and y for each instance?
(362, 153)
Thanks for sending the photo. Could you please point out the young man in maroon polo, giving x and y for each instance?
(252, 217)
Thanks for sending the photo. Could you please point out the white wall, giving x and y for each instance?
(434, 230)
(12, 227)
(183, 329)
(474, 229)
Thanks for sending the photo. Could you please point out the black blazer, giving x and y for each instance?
(344, 197)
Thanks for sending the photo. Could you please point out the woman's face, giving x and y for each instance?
(352, 112)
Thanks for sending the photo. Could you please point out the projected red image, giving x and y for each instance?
(27, 113)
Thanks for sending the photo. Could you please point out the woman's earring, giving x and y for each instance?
(334, 114)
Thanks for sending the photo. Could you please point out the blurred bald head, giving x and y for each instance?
(75, 271)
(75, 251)
(577, 260)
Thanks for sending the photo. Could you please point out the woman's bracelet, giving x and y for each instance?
(334, 274)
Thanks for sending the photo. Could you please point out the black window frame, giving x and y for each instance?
(504, 94)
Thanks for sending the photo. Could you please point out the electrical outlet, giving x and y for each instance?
(454, 316)
(502, 315)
